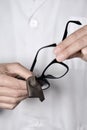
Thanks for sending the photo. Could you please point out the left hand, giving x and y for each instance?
(75, 45)
(12, 89)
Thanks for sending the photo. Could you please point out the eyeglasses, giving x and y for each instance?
(55, 69)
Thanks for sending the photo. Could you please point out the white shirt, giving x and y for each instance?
(25, 26)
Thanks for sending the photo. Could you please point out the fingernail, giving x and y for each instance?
(60, 58)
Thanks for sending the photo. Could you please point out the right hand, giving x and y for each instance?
(12, 90)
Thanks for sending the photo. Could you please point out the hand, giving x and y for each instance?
(75, 45)
(12, 90)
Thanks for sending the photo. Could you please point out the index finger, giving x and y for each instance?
(12, 82)
(70, 39)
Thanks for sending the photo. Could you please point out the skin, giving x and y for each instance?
(75, 45)
(12, 90)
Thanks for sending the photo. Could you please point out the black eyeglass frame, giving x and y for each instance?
(43, 78)
(37, 89)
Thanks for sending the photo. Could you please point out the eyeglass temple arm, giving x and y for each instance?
(35, 59)
(66, 28)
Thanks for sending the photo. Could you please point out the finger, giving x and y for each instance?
(84, 54)
(84, 57)
(78, 54)
(7, 81)
(7, 106)
(70, 39)
(11, 100)
(84, 51)
(81, 54)
(17, 68)
(73, 48)
(4, 91)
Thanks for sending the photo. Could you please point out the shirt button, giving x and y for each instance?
(33, 23)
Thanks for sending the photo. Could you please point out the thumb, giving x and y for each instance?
(16, 69)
